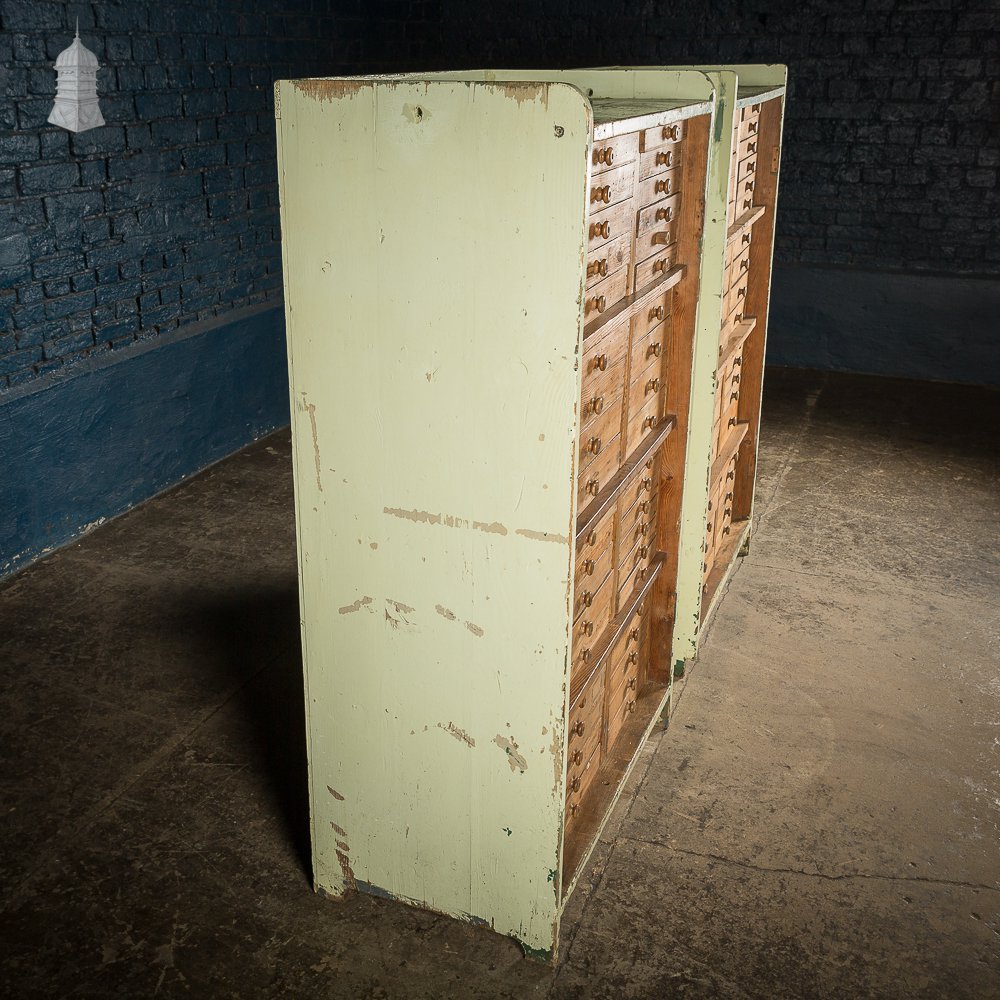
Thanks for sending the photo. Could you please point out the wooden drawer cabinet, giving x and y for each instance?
(507, 283)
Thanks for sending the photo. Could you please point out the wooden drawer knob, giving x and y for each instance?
(630, 707)
(633, 657)
(643, 506)
(732, 421)
(634, 635)
(597, 405)
(577, 757)
(648, 422)
(601, 362)
(744, 239)
(660, 266)
(653, 385)
(656, 313)
(647, 483)
(631, 684)
(672, 132)
(574, 785)
(605, 156)
(641, 609)
(751, 128)
(664, 214)
(744, 265)
(733, 397)
(643, 570)
(664, 159)
(662, 238)
(600, 229)
(579, 728)
(592, 536)
(655, 350)
(737, 361)
(594, 447)
(573, 809)
(740, 292)
(585, 656)
(729, 495)
(643, 527)
(599, 303)
(731, 474)
(751, 147)
(663, 186)
(736, 379)
(598, 267)
(588, 566)
(588, 628)
(602, 194)
(588, 598)
(593, 488)
(748, 203)
(643, 551)
(748, 187)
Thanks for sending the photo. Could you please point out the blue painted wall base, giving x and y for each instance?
(919, 326)
(96, 440)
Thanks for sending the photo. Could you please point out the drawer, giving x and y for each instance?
(651, 315)
(641, 424)
(593, 546)
(637, 524)
(598, 474)
(740, 266)
(654, 216)
(608, 153)
(579, 778)
(654, 189)
(609, 225)
(585, 717)
(645, 387)
(639, 554)
(653, 240)
(624, 669)
(617, 721)
(654, 267)
(636, 507)
(607, 259)
(601, 354)
(736, 296)
(746, 168)
(602, 392)
(628, 641)
(611, 187)
(661, 135)
(655, 161)
(598, 435)
(745, 188)
(747, 129)
(749, 112)
(604, 294)
(590, 597)
(588, 630)
(645, 350)
(641, 487)
(745, 147)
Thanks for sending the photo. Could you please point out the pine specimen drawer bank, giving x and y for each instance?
(493, 314)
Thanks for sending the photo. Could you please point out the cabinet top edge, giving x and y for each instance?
(746, 96)
(616, 116)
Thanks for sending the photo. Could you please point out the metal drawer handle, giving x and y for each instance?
(601, 362)
(588, 566)
(656, 313)
(664, 159)
(664, 215)
(748, 203)
(601, 229)
(605, 156)
(672, 132)
(663, 185)
(588, 628)
(602, 194)
(598, 267)
(595, 446)
(653, 385)
(578, 728)
(597, 405)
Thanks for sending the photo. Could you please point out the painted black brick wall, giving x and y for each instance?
(168, 214)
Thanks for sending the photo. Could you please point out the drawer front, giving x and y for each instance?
(654, 313)
(749, 112)
(646, 350)
(736, 296)
(585, 718)
(654, 267)
(656, 161)
(654, 240)
(641, 554)
(633, 510)
(745, 147)
(591, 603)
(645, 386)
(637, 525)
(604, 294)
(655, 189)
(747, 129)
(642, 424)
(608, 153)
(607, 259)
(611, 187)
(739, 267)
(744, 189)
(608, 225)
(623, 671)
(588, 629)
(655, 216)
(593, 546)
(598, 435)
(661, 135)
(602, 393)
(601, 354)
(617, 721)
(598, 474)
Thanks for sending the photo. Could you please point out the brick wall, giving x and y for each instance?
(167, 215)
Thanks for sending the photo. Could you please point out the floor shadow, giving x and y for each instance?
(253, 635)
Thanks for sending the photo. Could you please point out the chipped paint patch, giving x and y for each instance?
(445, 612)
(516, 759)
(310, 408)
(542, 536)
(524, 92)
(494, 527)
(338, 830)
(349, 609)
(400, 607)
(448, 520)
(335, 794)
(328, 90)
(460, 734)
(475, 629)
(345, 866)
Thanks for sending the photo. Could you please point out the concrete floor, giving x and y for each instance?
(821, 819)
